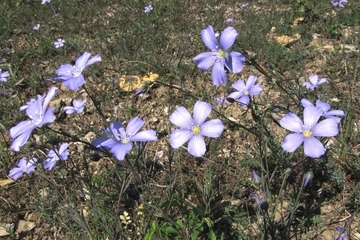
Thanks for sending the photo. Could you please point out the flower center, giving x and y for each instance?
(125, 140)
(246, 92)
(76, 71)
(307, 133)
(195, 130)
(36, 117)
(222, 54)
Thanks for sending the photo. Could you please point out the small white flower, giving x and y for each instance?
(45, 1)
(36, 27)
(148, 8)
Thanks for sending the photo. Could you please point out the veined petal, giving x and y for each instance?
(49, 163)
(250, 81)
(21, 140)
(209, 39)
(305, 102)
(314, 79)
(82, 60)
(179, 136)
(212, 128)
(120, 150)
(235, 62)
(15, 173)
(181, 118)
(313, 147)
(134, 126)
(311, 116)
(218, 74)
(244, 100)
(325, 128)
(104, 143)
(227, 38)
(335, 112)
(94, 59)
(21, 127)
(322, 80)
(75, 83)
(205, 60)
(235, 95)
(63, 148)
(64, 70)
(239, 85)
(292, 123)
(69, 109)
(323, 105)
(196, 146)
(201, 112)
(48, 97)
(48, 117)
(292, 142)
(145, 136)
(255, 90)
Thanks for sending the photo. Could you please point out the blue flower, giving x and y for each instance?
(24, 166)
(308, 131)
(314, 82)
(339, 3)
(194, 128)
(245, 90)
(36, 110)
(148, 9)
(219, 57)
(72, 76)
(59, 43)
(326, 109)
(56, 155)
(78, 107)
(342, 233)
(119, 141)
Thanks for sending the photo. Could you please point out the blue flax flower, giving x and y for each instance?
(219, 57)
(314, 82)
(342, 233)
(24, 166)
(339, 3)
(308, 131)
(72, 76)
(59, 43)
(78, 107)
(36, 110)
(3, 76)
(148, 9)
(326, 108)
(245, 90)
(119, 141)
(194, 128)
(56, 155)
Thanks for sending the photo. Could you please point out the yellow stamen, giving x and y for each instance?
(307, 133)
(195, 130)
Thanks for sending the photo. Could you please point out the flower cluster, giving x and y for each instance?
(3, 76)
(314, 82)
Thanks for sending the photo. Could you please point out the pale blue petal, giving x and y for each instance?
(48, 117)
(196, 146)
(305, 102)
(250, 81)
(244, 100)
(94, 59)
(104, 142)
(201, 112)
(145, 136)
(21, 127)
(120, 150)
(82, 60)
(313, 147)
(255, 90)
(235, 95)
(205, 60)
(212, 128)
(235, 62)
(69, 109)
(182, 118)
(15, 173)
(75, 83)
(292, 142)
(239, 85)
(134, 126)
(227, 38)
(50, 163)
(292, 123)
(209, 39)
(179, 136)
(64, 70)
(49, 96)
(314, 79)
(325, 128)
(218, 74)
(21, 140)
(311, 116)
